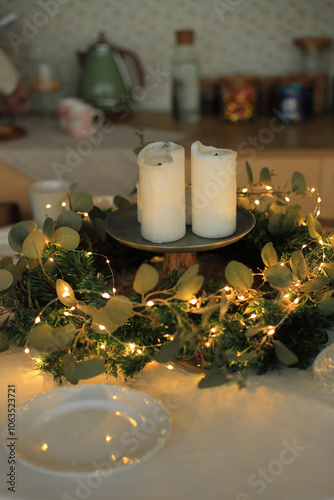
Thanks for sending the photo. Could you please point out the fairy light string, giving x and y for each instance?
(253, 308)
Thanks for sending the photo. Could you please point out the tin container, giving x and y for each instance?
(294, 97)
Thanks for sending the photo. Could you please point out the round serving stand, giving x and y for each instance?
(123, 226)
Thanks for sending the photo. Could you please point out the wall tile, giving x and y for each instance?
(247, 36)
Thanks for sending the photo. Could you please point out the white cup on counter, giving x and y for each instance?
(84, 120)
(48, 199)
(64, 107)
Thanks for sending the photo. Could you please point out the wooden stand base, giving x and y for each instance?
(181, 260)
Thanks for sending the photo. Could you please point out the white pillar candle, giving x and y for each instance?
(138, 202)
(162, 192)
(213, 191)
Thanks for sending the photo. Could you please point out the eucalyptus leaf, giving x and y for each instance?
(81, 202)
(119, 309)
(329, 270)
(238, 275)
(19, 232)
(299, 265)
(87, 309)
(224, 304)
(213, 378)
(298, 183)
(41, 338)
(120, 201)
(34, 245)
(326, 306)
(102, 323)
(187, 289)
(5, 261)
(68, 369)
(277, 207)
(65, 293)
(66, 238)
(275, 224)
(33, 263)
(318, 225)
(63, 336)
(265, 176)
(168, 351)
(12, 268)
(88, 225)
(311, 227)
(279, 276)
(284, 354)
(6, 279)
(188, 274)
(206, 310)
(89, 368)
(48, 229)
(293, 218)
(269, 255)
(146, 279)
(70, 219)
(249, 174)
(3, 342)
(243, 201)
(315, 284)
(254, 330)
(320, 295)
(21, 266)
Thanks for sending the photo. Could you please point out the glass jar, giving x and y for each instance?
(185, 79)
(239, 96)
(315, 63)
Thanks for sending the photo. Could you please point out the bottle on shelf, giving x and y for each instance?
(185, 79)
(315, 63)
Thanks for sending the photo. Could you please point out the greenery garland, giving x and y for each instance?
(60, 297)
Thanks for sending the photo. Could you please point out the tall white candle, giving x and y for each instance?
(162, 192)
(213, 191)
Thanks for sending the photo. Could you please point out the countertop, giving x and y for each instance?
(269, 133)
(284, 147)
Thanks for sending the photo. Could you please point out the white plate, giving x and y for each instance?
(90, 428)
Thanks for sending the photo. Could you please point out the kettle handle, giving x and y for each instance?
(124, 52)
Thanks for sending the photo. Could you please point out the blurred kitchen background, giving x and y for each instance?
(250, 37)
(235, 60)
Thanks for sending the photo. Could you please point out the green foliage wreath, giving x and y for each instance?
(60, 304)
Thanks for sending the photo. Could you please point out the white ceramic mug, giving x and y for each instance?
(48, 199)
(64, 107)
(84, 120)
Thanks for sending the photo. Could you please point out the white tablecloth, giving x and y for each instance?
(273, 440)
(102, 164)
(276, 435)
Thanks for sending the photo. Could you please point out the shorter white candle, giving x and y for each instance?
(162, 192)
(213, 188)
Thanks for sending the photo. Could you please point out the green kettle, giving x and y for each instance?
(108, 75)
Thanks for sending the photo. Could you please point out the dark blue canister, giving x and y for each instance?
(295, 100)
